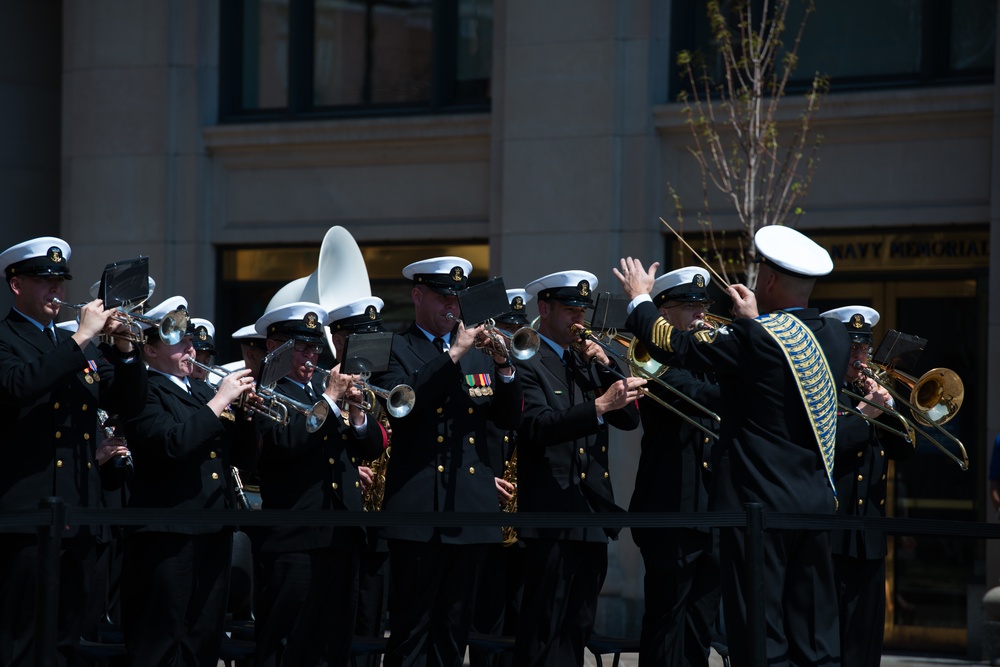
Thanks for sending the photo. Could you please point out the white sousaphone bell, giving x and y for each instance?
(340, 277)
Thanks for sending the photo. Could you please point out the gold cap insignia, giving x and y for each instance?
(584, 288)
(857, 321)
(517, 303)
(457, 274)
(371, 312)
(311, 320)
(202, 333)
(55, 255)
(699, 280)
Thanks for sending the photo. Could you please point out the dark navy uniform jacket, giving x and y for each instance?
(312, 471)
(183, 453)
(860, 470)
(440, 453)
(50, 414)
(562, 458)
(767, 448)
(675, 464)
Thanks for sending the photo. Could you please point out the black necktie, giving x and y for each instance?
(51, 331)
(439, 344)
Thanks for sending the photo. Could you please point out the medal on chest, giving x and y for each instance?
(479, 384)
(90, 375)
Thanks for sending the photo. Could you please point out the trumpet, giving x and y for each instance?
(935, 398)
(642, 371)
(315, 414)
(277, 413)
(711, 322)
(171, 326)
(399, 400)
(521, 345)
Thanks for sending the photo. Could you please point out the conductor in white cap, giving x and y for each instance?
(860, 473)
(779, 366)
(52, 382)
(440, 463)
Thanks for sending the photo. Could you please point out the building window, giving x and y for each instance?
(292, 59)
(862, 44)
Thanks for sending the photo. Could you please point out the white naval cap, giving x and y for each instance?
(688, 284)
(204, 334)
(300, 320)
(446, 275)
(44, 256)
(518, 314)
(572, 288)
(249, 337)
(791, 252)
(859, 321)
(361, 315)
(96, 287)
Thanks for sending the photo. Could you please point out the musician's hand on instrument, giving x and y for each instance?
(110, 448)
(618, 395)
(464, 340)
(744, 301)
(339, 385)
(367, 477)
(505, 490)
(230, 389)
(634, 278)
(93, 319)
(877, 397)
(591, 351)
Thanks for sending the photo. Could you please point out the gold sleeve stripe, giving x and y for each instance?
(661, 334)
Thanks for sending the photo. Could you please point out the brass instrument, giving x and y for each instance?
(242, 501)
(399, 400)
(935, 398)
(631, 360)
(315, 414)
(711, 321)
(278, 414)
(907, 433)
(510, 476)
(374, 494)
(109, 432)
(521, 345)
(172, 327)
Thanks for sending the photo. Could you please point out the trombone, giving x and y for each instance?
(907, 433)
(399, 400)
(275, 413)
(643, 370)
(935, 398)
(171, 326)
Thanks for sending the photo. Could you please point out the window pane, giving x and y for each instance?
(857, 38)
(973, 34)
(265, 54)
(474, 55)
(374, 52)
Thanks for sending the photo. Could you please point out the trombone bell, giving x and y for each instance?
(937, 394)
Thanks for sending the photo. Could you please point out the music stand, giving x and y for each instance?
(899, 350)
(366, 353)
(482, 302)
(125, 283)
(276, 365)
(610, 312)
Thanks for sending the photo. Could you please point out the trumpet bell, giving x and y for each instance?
(316, 416)
(173, 326)
(524, 343)
(400, 401)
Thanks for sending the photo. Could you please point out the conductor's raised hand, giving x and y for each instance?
(634, 278)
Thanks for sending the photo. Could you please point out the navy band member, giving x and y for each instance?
(307, 598)
(204, 347)
(52, 383)
(860, 470)
(681, 583)
(570, 401)
(175, 576)
(777, 435)
(440, 463)
(253, 348)
(358, 317)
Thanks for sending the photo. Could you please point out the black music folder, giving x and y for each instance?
(610, 312)
(482, 302)
(366, 353)
(899, 350)
(125, 283)
(276, 365)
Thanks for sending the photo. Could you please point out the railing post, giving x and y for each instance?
(47, 586)
(756, 618)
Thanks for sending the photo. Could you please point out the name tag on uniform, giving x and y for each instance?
(479, 384)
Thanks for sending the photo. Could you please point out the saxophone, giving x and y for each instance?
(373, 495)
(510, 475)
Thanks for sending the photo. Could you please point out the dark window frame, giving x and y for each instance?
(934, 71)
(444, 98)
